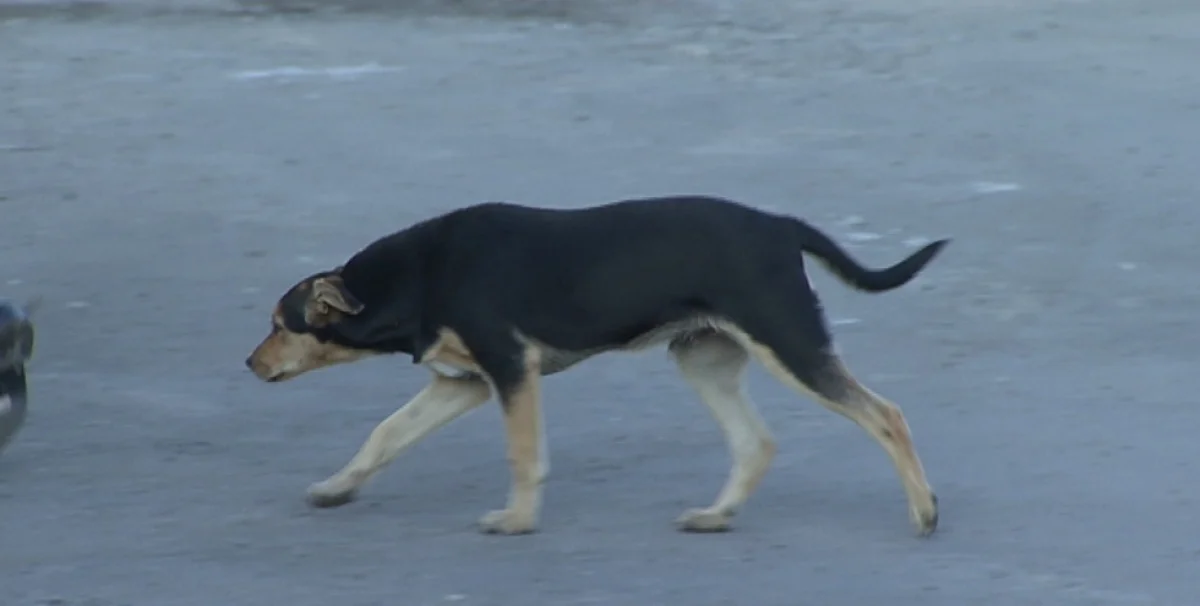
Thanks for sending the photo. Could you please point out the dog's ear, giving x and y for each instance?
(330, 292)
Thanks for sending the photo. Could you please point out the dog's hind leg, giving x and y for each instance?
(838, 390)
(788, 335)
(442, 401)
(713, 363)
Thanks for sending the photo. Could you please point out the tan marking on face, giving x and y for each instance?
(285, 355)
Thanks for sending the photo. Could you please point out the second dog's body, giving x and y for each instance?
(494, 296)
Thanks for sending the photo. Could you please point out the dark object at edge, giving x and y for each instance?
(16, 348)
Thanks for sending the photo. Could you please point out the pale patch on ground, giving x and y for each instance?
(341, 72)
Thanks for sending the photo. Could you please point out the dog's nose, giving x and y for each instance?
(249, 363)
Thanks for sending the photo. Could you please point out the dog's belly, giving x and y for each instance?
(556, 360)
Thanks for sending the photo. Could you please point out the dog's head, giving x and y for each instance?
(305, 330)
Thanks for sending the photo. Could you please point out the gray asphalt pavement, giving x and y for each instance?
(167, 169)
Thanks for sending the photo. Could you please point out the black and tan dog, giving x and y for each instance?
(494, 296)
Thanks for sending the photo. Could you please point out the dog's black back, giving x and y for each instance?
(591, 279)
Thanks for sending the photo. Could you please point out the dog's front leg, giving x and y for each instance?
(442, 401)
(527, 460)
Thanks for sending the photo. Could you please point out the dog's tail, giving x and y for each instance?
(854, 274)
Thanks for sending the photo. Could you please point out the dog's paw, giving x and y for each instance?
(703, 520)
(330, 493)
(925, 516)
(507, 522)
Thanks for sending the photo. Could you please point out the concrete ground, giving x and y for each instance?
(167, 169)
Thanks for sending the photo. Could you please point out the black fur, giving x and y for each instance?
(593, 279)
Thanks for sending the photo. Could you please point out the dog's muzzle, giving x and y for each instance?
(16, 348)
